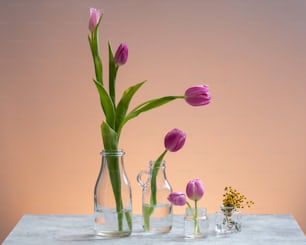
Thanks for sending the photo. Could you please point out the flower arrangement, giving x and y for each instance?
(233, 198)
(117, 113)
(194, 191)
(173, 141)
(228, 219)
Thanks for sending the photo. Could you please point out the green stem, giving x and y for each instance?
(153, 177)
(146, 106)
(155, 99)
(113, 69)
(190, 208)
(94, 46)
(147, 211)
(114, 173)
(196, 229)
(195, 218)
(110, 141)
(112, 84)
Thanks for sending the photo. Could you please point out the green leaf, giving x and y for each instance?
(98, 68)
(109, 136)
(90, 42)
(94, 47)
(107, 104)
(124, 103)
(146, 106)
(113, 68)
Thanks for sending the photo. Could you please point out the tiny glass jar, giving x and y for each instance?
(196, 223)
(228, 220)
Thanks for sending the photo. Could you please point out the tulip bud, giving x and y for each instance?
(177, 198)
(195, 189)
(121, 55)
(197, 95)
(94, 17)
(174, 140)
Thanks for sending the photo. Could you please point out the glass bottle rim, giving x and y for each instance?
(227, 207)
(162, 164)
(118, 152)
(202, 211)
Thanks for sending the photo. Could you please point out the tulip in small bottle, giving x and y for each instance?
(196, 221)
(157, 187)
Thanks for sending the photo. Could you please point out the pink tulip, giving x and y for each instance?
(94, 17)
(174, 140)
(177, 198)
(197, 95)
(195, 189)
(121, 55)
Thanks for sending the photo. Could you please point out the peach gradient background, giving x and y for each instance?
(252, 136)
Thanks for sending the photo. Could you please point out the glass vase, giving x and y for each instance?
(228, 220)
(196, 223)
(156, 209)
(113, 197)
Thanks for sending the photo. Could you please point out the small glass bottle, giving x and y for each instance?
(228, 220)
(157, 211)
(196, 223)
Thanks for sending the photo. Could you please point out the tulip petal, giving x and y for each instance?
(177, 198)
(174, 140)
(195, 189)
(94, 17)
(198, 95)
(121, 55)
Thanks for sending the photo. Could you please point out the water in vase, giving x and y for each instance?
(112, 224)
(160, 220)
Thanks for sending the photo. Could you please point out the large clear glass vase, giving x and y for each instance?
(157, 215)
(113, 197)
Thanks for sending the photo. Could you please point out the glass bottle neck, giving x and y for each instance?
(112, 153)
(159, 170)
(161, 165)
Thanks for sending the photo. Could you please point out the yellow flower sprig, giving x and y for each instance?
(233, 198)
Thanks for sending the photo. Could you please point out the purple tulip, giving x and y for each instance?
(121, 55)
(197, 95)
(177, 198)
(94, 17)
(195, 189)
(174, 140)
